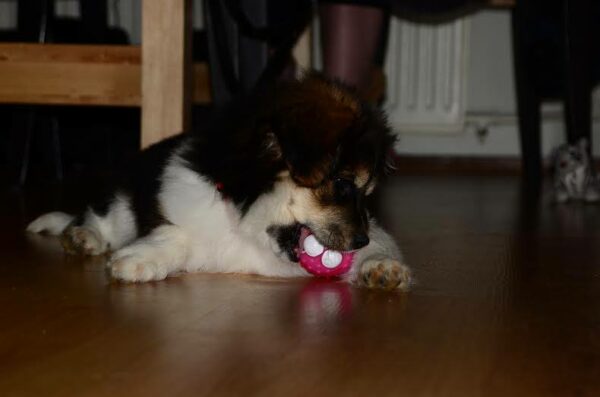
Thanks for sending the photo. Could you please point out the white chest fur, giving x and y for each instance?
(220, 239)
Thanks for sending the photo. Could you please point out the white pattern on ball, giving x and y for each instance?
(312, 246)
(331, 259)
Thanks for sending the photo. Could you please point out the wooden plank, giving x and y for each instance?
(69, 74)
(72, 84)
(166, 69)
(79, 75)
(69, 53)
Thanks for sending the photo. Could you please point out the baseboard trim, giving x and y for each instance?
(465, 165)
(457, 165)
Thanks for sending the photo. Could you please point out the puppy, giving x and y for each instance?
(298, 157)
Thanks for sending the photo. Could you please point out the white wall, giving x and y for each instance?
(490, 99)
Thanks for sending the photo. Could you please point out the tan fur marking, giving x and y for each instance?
(362, 177)
(344, 99)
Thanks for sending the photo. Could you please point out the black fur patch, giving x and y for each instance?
(234, 155)
(139, 180)
(287, 238)
(143, 184)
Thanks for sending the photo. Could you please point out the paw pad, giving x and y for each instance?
(78, 240)
(384, 274)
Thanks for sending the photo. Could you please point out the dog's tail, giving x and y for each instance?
(52, 223)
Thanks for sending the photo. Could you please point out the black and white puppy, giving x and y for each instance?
(302, 154)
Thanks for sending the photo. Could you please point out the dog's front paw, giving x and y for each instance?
(80, 240)
(384, 273)
(135, 267)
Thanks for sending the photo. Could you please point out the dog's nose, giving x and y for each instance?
(360, 240)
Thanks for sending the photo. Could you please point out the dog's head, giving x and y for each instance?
(334, 149)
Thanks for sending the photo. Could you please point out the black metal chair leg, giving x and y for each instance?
(528, 106)
(577, 34)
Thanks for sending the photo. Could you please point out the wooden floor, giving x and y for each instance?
(507, 303)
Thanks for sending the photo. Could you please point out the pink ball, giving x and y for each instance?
(314, 264)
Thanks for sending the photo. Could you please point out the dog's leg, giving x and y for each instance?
(164, 251)
(77, 238)
(52, 223)
(380, 263)
(83, 240)
(93, 232)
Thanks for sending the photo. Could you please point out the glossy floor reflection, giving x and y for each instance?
(507, 303)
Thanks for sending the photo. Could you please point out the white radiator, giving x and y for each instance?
(426, 72)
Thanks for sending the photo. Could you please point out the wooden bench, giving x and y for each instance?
(158, 76)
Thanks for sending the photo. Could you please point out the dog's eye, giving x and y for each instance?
(344, 189)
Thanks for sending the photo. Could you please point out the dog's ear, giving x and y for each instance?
(311, 117)
(307, 158)
(389, 162)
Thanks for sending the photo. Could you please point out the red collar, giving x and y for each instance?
(220, 187)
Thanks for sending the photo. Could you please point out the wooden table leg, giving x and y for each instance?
(166, 69)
